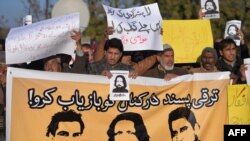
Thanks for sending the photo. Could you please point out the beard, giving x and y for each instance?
(232, 33)
(210, 9)
(166, 66)
(119, 85)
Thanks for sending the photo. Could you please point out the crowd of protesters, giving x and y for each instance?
(110, 55)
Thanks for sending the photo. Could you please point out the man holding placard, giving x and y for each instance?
(111, 61)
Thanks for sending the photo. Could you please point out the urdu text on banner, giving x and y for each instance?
(40, 100)
(239, 104)
(139, 28)
(41, 39)
(188, 38)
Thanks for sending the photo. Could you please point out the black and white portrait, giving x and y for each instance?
(128, 127)
(210, 8)
(66, 125)
(232, 31)
(119, 85)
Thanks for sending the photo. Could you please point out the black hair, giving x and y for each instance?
(181, 112)
(225, 42)
(123, 79)
(63, 116)
(140, 129)
(113, 43)
(214, 5)
(209, 49)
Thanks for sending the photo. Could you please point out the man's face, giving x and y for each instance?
(229, 53)
(119, 82)
(68, 131)
(125, 131)
(182, 130)
(232, 30)
(208, 61)
(167, 60)
(209, 6)
(113, 56)
(52, 65)
(90, 54)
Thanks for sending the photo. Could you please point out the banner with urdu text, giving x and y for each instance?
(239, 104)
(138, 28)
(48, 106)
(188, 38)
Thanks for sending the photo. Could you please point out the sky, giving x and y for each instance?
(12, 10)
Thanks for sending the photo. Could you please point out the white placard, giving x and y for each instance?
(119, 85)
(231, 31)
(139, 28)
(247, 63)
(248, 74)
(210, 8)
(41, 39)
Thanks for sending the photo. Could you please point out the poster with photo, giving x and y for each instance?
(231, 31)
(119, 85)
(210, 8)
(78, 105)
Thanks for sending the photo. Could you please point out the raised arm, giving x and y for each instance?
(99, 54)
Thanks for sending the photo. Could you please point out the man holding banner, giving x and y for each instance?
(166, 69)
(111, 61)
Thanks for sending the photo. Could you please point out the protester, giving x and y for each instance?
(165, 69)
(140, 67)
(229, 60)
(113, 53)
(208, 61)
(54, 63)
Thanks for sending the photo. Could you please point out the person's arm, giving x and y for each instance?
(3, 72)
(107, 73)
(241, 35)
(145, 64)
(169, 76)
(3, 75)
(77, 37)
(201, 14)
(79, 65)
(242, 78)
(244, 51)
(99, 54)
(132, 74)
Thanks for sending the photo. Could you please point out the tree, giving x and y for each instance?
(39, 10)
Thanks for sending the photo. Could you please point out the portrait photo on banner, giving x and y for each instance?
(64, 106)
